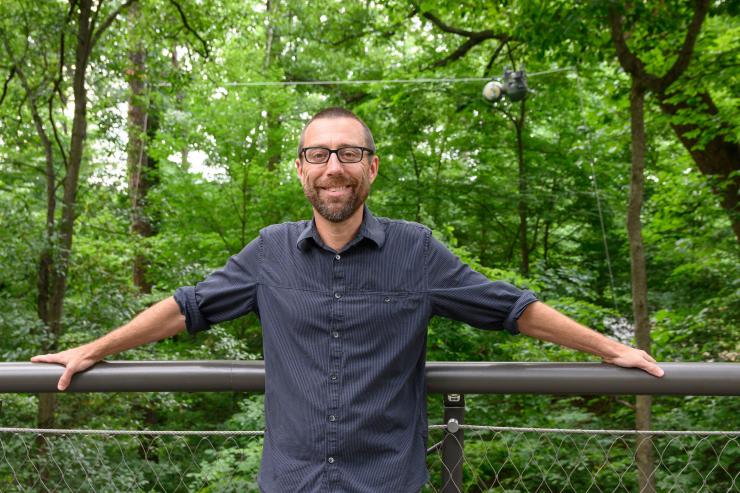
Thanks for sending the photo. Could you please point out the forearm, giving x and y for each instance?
(543, 322)
(157, 322)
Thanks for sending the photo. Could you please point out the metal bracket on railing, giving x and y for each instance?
(453, 444)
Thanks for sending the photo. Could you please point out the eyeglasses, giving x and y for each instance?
(346, 155)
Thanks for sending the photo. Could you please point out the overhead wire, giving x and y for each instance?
(418, 80)
(597, 194)
(454, 80)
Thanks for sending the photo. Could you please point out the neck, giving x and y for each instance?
(336, 235)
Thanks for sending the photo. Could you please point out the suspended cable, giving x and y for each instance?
(419, 80)
(463, 80)
(589, 142)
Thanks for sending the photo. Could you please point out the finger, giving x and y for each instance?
(653, 369)
(41, 358)
(648, 357)
(65, 379)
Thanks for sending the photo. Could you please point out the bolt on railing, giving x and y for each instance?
(451, 379)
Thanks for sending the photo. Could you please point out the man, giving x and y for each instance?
(344, 301)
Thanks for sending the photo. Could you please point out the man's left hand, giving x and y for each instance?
(636, 358)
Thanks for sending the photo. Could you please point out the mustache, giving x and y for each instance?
(337, 183)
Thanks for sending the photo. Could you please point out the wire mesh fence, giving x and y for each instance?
(33, 460)
(496, 459)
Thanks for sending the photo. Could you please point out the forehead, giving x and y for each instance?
(334, 131)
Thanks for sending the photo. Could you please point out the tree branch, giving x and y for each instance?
(16, 162)
(185, 23)
(474, 38)
(5, 85)
(493, 58)
(687, 49)
(459, 52)
(460, 32)
(510, 54)
(636, 67)
(54, 130)
(508, 115)
(60, 72)
(108, 21)
(94, 18)
(628, 60)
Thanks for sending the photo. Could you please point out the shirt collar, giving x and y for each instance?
(370, 228)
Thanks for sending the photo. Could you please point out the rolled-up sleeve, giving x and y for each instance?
(225, 294)
(460, 293)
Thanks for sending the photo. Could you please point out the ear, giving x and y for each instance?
(299, 169)
(373, 169)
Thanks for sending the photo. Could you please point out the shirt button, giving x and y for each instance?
(335, 334)
(332, 418)
(337, 257)
(333, 376)
(387, 299)
(330, 460)
(337, 295)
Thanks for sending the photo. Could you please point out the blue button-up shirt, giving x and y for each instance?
(344, 346)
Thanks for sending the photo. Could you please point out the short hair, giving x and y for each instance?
(337, 112)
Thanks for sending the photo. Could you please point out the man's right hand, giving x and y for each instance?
(153, 324)
(74, 361)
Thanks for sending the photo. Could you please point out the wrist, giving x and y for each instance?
(93, 351)
(614, 350)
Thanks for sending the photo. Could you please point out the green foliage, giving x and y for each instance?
(225, 152)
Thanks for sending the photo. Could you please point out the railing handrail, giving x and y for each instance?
(442, 377)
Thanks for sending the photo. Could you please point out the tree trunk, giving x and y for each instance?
(546, 242)
(644, 447)
(417, 184)
(60, 263)
(142, 168)
(180, 97)
(46, 274)
(273, 129)
(46, 257)
(718, 159)
(273, 120)
(522, 205)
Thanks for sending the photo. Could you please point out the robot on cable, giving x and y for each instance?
(513, 87)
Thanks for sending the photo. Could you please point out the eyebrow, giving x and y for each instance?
(326, 146)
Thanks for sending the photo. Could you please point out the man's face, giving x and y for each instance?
(336, 190)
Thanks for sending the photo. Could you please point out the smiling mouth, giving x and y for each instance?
(336, 189)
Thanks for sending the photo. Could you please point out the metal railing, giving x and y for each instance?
(494, 459)
(442, 378)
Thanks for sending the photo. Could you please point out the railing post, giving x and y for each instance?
(453, 445)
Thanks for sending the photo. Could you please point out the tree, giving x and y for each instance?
(143, 122)
(642, 81)
(90, 24)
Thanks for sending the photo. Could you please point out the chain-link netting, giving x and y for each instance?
(498, 459)
(121, 461)
(504, 460)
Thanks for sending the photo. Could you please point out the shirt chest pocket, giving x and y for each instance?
(382, 312)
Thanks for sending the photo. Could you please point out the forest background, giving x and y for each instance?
(144, 142)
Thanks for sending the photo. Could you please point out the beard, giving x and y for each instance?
(337, 209)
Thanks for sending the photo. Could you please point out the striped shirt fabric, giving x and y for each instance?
(344, 336)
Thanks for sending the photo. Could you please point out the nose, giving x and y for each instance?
(333, 166)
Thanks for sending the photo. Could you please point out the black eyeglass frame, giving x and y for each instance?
(363, 150)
